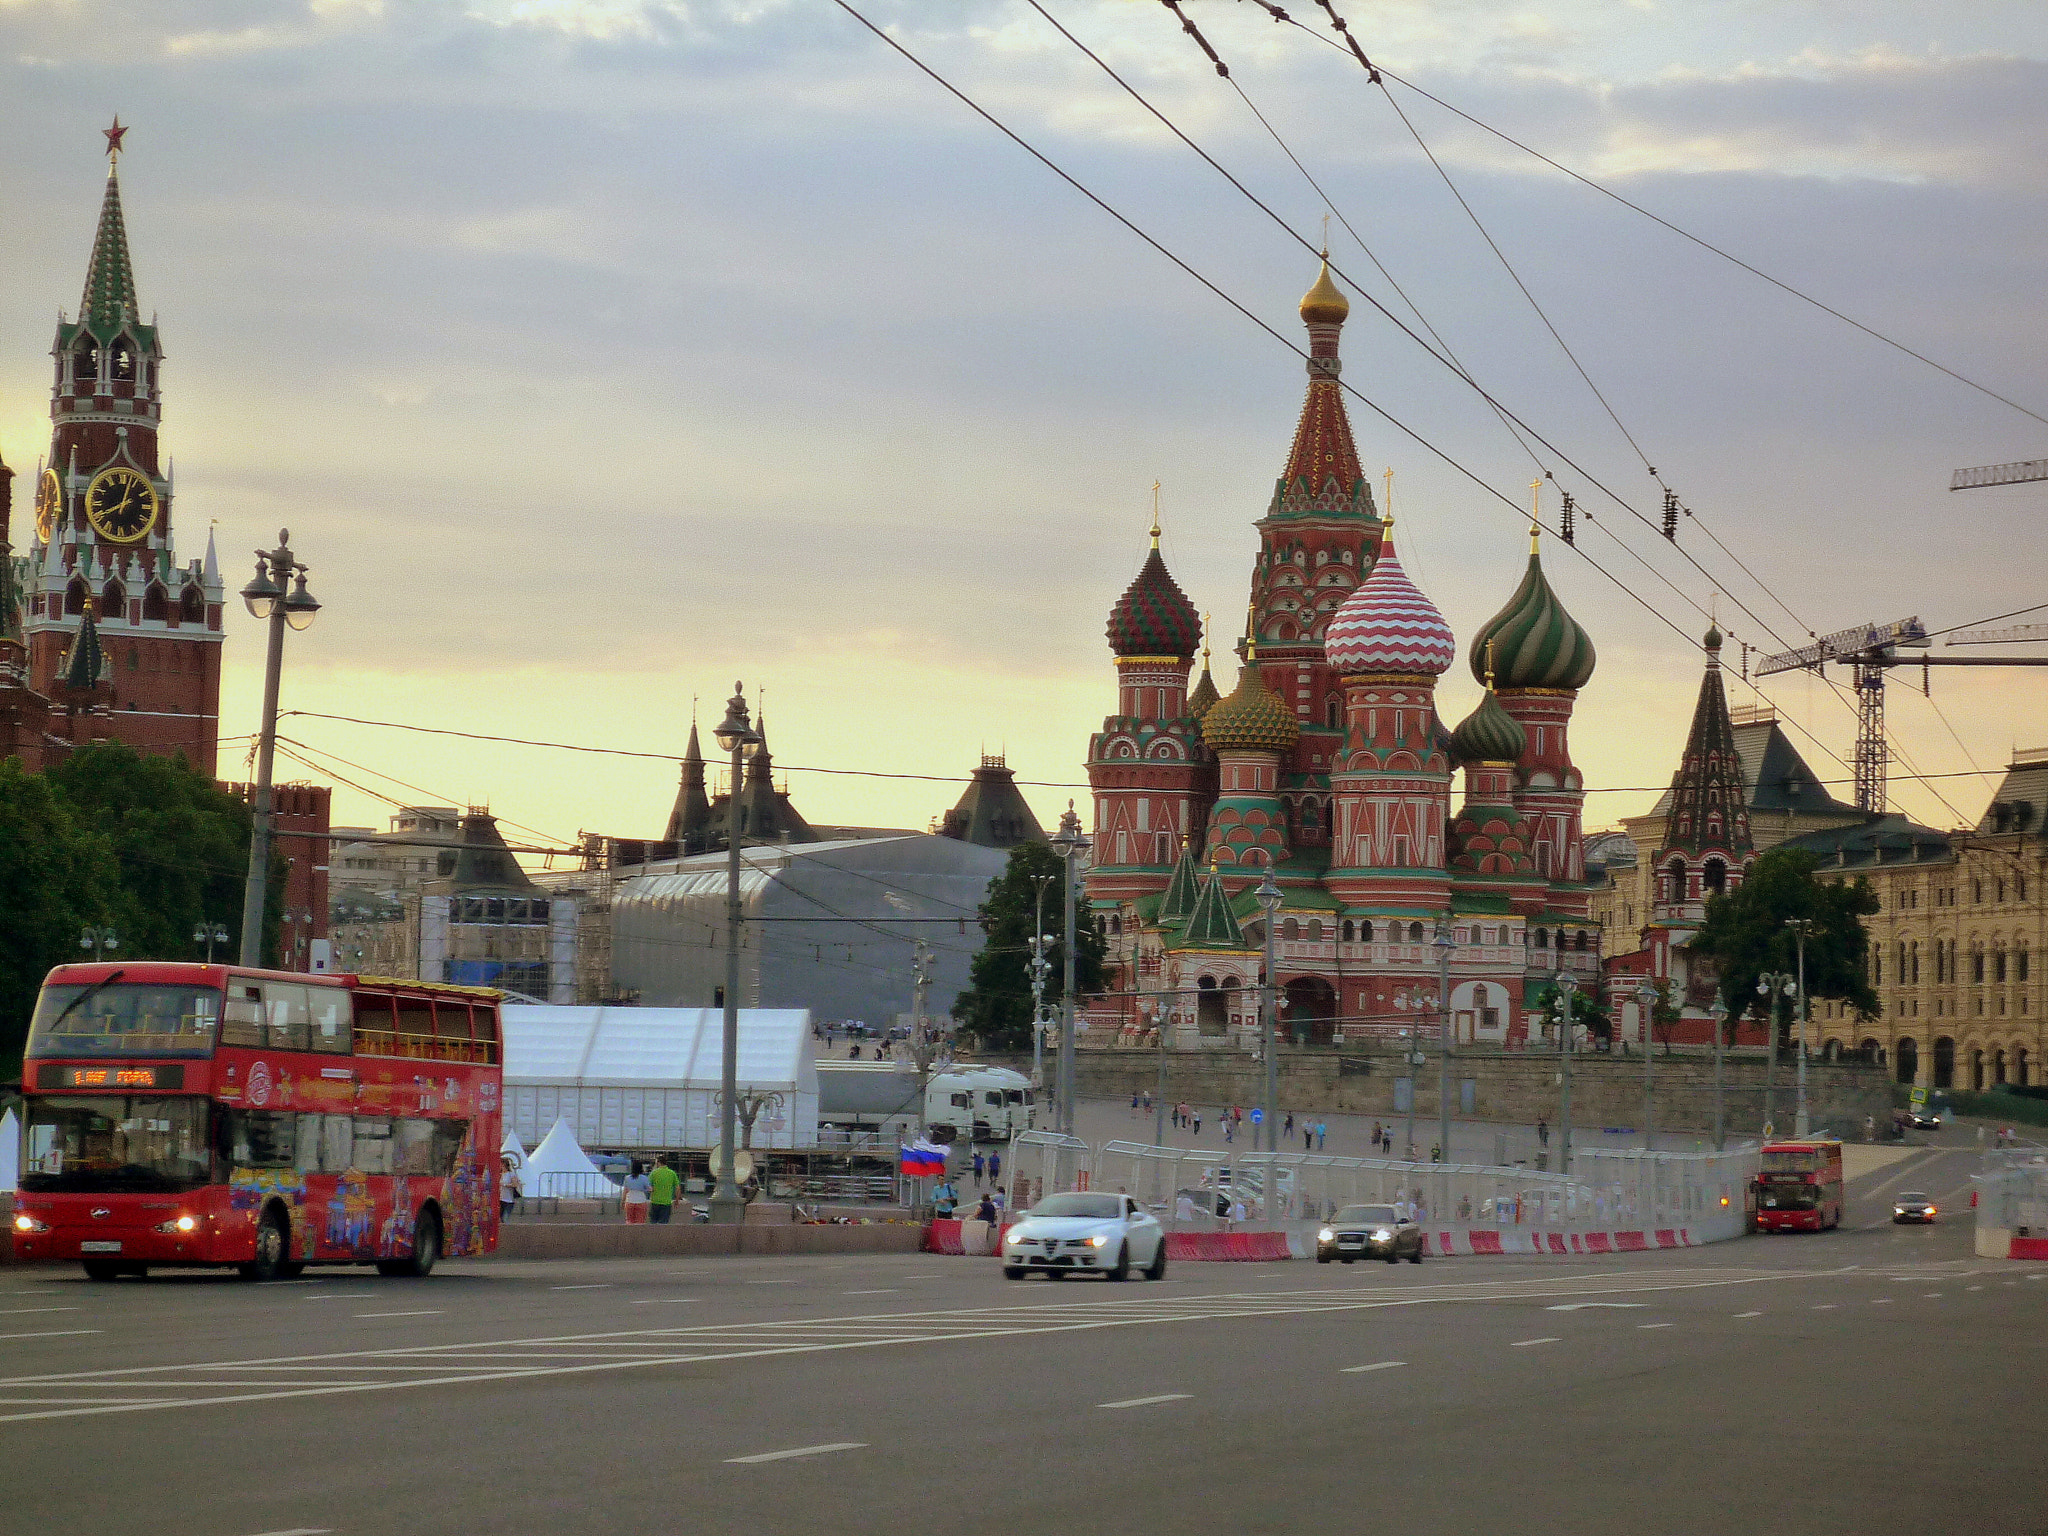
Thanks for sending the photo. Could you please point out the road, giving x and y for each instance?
(1876, 1379)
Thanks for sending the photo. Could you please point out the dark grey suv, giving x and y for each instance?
(1369, 1232)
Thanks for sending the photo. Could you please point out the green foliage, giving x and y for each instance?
(142, 845)
(996, 1007)
(1746, 934)
(1589, 1010)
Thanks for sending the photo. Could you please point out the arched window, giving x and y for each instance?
(1333, 712)
(2019, 960)
(1415, 933)
(1540, 939)
(156, 602)
(1714, 877)
(121, 358)
(1976, 961)
(1315, 930)
(1580, 942)
(75, 595)
(1998, 963)
(1349, 930)
(192, 607)
(85, 362)
(113, 601)
(1365, 932)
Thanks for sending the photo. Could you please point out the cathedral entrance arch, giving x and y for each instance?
(1908, 1053)
(1944, 1062)
(1212, 1009)
(1310, 1015)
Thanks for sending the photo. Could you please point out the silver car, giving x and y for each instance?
(1369, 1232)
(1085, 1233)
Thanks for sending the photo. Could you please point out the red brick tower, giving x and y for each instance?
(103, 522)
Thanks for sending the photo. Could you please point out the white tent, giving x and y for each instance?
(559, 1167)
(10, 1153)
(647, 1078)
(513, 1148)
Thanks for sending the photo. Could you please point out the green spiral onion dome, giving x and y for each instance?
(1154, 617)
(1252, 719)
(1489, 735)
(1535, 643)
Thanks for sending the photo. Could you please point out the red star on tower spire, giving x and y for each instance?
(114, 137)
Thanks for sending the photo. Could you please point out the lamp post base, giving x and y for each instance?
(728, 1208)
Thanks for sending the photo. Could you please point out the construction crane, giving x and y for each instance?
(2012, 634)
(2016, 473)
(1870, 650)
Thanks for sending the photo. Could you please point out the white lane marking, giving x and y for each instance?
(436, 1312)
(764, 1282)
(1825, 1306)
(655, 1301)
(802, 1450)
(1930, 1295)
(1881, 1301)
(12, 1400)
(339, 1296)
(25, 1311)
(887, 1290)
(1377, 1365)
(1147, 1402)
(2033, 1277)
(61, 1333)
(602, 1285)
(302, 1530)
(1973, 1287)
(1656, 1325)
(1580, 1306)
(1526, 1343)
(1749, 1314)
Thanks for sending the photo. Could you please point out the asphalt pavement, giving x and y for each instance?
(1874, 1379)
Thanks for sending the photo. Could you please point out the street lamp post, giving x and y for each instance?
(1647, 994)
(98, 938)
(209, 934)
(1269, 898)
(1040, 968)
(267, 598)
(1719, 1013)
(1070, 843)
(1772, 985)
(1801, 927)
(1159, 1022)
(735, 734)
(1567, 984)
(1444, 944)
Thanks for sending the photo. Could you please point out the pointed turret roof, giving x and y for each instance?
(1212, 925)
(1203, 696)
(1323, 450)
(992, 810)
(85, 663)
(109, 298)
(1709, 805)
(692, 812)
(1181, 889)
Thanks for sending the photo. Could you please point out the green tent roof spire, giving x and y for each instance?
(1182, 888)
(109, 298)
(1212, 925)
(85, 663)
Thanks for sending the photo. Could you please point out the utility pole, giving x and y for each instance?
(1445, 943)
(1567, 984)
(1801, 926)
(1771, 985)
(1070, 843)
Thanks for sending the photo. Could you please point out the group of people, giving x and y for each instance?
(1186, 1117)
(946, 1203)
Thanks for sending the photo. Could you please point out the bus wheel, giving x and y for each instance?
(270, 1250)
(426, 1249)
(290, 1271)
(102, 1270)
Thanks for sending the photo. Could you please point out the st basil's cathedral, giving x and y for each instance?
(1328, 763)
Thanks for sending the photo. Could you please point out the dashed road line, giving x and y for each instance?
(1377, 1365)
(1749, 1314)
(802, 1450)
(60, 1333)
(602, 1285)
(1147, 1402)
(655, 1301)
(26, 1311)
(1530, 1343)
(887, 1290)
(1656, 1325)
(430, 1313)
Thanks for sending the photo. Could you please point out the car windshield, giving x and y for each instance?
(1914, 1197)
(1100, 1207)
(112, 1142)
(1358, 1215)
(86, 1019)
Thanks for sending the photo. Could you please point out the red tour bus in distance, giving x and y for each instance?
(1799, 1187)
(206, 1115)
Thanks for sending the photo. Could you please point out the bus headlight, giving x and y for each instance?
(23, 1222)
(179, 1224)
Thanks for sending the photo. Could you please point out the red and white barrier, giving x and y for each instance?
(1479, 1240)
(1227, 1247)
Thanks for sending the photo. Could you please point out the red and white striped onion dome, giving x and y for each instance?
(1387, 625)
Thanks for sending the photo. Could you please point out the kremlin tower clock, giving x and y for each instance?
(103, 592)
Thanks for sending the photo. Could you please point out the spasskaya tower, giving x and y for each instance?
(102, 574)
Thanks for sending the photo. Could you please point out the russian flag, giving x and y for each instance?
(922, 1160)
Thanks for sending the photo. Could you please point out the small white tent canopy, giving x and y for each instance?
(647, 1077)
(559, 1167)
(513, 1148)
(10, 1153)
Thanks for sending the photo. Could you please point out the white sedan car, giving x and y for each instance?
(1085, 1233)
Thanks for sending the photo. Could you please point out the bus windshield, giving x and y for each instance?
(124, 1019)
(110, 1142)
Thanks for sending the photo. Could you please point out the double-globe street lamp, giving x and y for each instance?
(1770, 986)
(1069, 843)
(99, 939)
(209, 934)
(1801, 927)
(735, 734)
(1567, 985)
(278, 594)
(1269, 898)
(1444, 942)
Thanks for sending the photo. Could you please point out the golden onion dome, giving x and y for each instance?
(1252, 719)
(1325, 303)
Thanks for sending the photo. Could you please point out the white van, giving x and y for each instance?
(991, 1103)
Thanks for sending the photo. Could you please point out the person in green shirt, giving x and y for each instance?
(661, 1192)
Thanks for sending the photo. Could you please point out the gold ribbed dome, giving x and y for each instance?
(1325, 303)
(1252, 719)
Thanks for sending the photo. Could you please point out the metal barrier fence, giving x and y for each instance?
(2012, 1192)
(1208, 1189)
(577, 1186)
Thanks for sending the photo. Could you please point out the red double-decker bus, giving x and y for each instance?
(193, 1115)
(1799, 1187)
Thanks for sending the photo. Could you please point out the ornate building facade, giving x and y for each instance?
(101, 561)
(1328, 764)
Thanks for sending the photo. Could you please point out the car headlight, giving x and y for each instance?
(1013, 1237)
(1326, 1236)
(23, 1222)
(1098, 1241)
(1382, 1234)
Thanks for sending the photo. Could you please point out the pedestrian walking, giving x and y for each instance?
(1375, 1135)
(638, 1188)
(980, 1163)
(1198, 1122)
(1436, 1153)
(1322, 1133)
(1542, 1133)
(662, 1184)
(1134, 1104)
(511, 1185)
(995, 1167)
(1308, 1137)
(1229, 1129)
(1148, 1101)
(1289, 1127)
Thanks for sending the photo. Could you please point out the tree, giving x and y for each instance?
(54, 880)
(1589, 1011)
(1745, 933)
(996, 1007)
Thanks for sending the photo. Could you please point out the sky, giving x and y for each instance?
(600, 352)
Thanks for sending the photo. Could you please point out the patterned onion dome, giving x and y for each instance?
(1489, 734)
(1154, 617)
(1252, 719)
(1203, 698)
(1325, 304)
(1536, 644)
(1387, 625)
